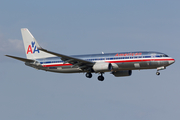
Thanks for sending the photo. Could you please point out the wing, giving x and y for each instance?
(76, 62)
(21, 59)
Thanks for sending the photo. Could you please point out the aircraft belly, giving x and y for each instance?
(64, 69)
(164, 63)
(124, 65)
(117, 66)
(139, 65)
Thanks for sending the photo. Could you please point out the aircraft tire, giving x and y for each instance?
(157, 73)
(88, 75)
(100, 78)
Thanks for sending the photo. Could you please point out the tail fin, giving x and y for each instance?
(31, 46)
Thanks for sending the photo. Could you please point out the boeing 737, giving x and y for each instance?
(119, 64)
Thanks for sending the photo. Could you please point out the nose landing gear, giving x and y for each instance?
(157, 73)
(160, 68)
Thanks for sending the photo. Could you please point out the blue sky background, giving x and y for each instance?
(83, 27)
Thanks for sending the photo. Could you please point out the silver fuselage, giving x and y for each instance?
(120, 61)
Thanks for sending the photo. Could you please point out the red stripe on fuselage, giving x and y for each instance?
(53, 65)
(140, 60)
(119, 61)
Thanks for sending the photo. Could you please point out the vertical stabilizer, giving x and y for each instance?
(31, 46)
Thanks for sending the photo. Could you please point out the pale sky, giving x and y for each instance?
(83, 27)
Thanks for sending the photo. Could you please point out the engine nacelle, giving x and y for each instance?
(102, 67)
(122, 73)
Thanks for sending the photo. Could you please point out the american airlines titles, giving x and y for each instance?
(128, 54)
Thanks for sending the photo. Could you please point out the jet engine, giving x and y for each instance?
(102, 67)
(122, 73)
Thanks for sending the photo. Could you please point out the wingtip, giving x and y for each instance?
(24, 29)
(8, 55)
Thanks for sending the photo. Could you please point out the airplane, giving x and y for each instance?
(119, 64)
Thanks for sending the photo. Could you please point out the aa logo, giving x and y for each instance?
(32, 48)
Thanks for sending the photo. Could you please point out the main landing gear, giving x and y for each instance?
(100, 78)
(88, 75)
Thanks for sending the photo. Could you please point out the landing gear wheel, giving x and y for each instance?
(88, 75)
(157, 73)
(100, 78)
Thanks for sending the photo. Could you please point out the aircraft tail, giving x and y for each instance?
(31, 46)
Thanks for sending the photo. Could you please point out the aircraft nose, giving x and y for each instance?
(171, 61)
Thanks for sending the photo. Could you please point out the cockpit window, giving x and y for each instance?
(164, 55)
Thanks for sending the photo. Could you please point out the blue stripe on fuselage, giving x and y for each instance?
(102, 57)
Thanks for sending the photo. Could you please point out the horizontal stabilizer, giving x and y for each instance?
(21, 59)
